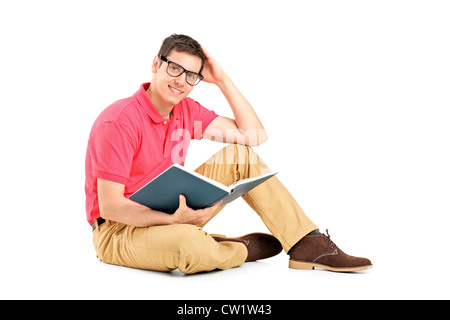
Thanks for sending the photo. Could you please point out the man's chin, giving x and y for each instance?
(174, 101)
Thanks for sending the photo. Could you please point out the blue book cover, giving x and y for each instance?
(162, 193)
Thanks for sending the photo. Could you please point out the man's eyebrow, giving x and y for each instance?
(182, 66)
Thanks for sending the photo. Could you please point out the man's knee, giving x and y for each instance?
(239, 154)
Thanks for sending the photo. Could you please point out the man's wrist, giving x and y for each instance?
(171, 219)
(224, 83)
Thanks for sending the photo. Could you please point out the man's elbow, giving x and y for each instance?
(110, 198)
(263, 137)
(256, 140)
(109, 209)
(105, 212)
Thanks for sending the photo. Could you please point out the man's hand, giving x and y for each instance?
(212, 71)
(186, 215)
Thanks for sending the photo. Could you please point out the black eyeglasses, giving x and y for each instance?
(175, 70)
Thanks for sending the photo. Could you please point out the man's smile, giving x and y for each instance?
(175, 90)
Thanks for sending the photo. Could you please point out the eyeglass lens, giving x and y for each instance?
(176, 70)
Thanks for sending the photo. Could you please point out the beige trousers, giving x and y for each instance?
(189, 248)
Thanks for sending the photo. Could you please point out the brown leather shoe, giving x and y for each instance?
(259, 245)
(318, 251)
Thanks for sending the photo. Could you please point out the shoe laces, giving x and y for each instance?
(331, 244)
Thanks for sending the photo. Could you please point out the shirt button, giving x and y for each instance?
(165, 122)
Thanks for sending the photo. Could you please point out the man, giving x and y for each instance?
(135, 139)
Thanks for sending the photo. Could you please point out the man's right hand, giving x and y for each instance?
(186, 215)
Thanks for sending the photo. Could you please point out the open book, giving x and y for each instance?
(162, 193)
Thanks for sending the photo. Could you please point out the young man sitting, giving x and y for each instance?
(137, 138)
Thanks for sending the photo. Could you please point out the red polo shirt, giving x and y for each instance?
(131, 143)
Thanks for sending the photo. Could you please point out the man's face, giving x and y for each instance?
(172, 90)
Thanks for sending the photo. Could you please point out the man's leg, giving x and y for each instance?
(271, 200)
(281, 213)
(165, 248)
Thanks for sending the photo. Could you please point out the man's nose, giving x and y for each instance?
(181, 79)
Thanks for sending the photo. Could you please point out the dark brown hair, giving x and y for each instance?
(182, 43)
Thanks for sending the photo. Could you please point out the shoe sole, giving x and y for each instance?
(293, 264)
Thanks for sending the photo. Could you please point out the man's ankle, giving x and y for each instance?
(315, 232)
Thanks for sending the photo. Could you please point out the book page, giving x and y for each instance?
(248, 180)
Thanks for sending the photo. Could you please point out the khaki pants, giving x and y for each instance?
(189, 248)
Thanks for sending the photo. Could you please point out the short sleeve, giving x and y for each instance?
(202, 119)
(112, 150)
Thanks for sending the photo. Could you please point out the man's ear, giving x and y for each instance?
(155, 64)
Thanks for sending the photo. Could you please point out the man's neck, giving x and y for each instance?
(163, 109)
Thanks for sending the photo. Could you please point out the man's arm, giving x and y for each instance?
(114, 206)
(245, 128)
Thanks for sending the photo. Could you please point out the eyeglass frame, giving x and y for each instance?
(200, 77)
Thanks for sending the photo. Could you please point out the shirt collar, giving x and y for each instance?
(149, 108)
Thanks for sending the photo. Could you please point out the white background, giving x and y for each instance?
(354, 96)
